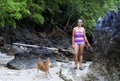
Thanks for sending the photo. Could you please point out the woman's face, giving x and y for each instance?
(79, 22)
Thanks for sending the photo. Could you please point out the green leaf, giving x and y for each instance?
(38, 18)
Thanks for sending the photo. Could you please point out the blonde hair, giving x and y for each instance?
(79, 20)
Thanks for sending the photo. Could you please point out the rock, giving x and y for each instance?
(88, 54)
(15, 49)
(42, 51)
(63, 55)
(22, 58)
(2, 41)
(53, 40)
(68, 73)
(61, 58)
(4, 58)
(23, 61)
(27, 60)
(10, 73)
(29, 36)
(5, 48)
(66, 55)
(31, 54)
(106, 36)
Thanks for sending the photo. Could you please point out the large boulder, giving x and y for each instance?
(68, 73)
(106, 36)
(27, 60)
(25, 57)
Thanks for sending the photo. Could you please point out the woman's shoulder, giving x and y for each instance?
(75, 27)
(83, 28)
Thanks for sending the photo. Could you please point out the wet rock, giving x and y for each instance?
(106, 36)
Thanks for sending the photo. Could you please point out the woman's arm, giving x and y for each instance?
(73, 31)
(86, 38)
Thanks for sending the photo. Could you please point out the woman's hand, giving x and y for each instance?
(89, 45)
(73, 45)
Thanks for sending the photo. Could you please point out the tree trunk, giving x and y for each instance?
(68, 21)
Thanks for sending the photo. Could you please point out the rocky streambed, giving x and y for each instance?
(7, 74)
(26, 58)
(105, 54)
(61, 71)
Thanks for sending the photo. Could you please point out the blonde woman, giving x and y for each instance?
(78, 42)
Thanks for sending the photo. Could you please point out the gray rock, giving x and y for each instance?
(68, 73)
(88, 54)
(42, 51)
(4, 58)
(29, 36)
(27, 60)
(15, 49)
(2, 41)
(106, 65)
(66, 55)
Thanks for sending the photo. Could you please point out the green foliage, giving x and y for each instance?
(12, 11)
(52, 13)
(38, 18)
(88, 10)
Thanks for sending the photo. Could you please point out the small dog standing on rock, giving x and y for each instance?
(44, 66)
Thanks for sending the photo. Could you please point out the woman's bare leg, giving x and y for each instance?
(76, 48)
(81, 53)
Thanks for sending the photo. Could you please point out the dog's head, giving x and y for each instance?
(39, 55)
(47, 61)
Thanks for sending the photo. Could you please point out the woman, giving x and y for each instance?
(78, 42)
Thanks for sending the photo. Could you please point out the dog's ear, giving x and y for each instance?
(48, 58)
(39, 55)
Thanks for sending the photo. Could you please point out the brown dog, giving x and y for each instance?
(44, 66)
